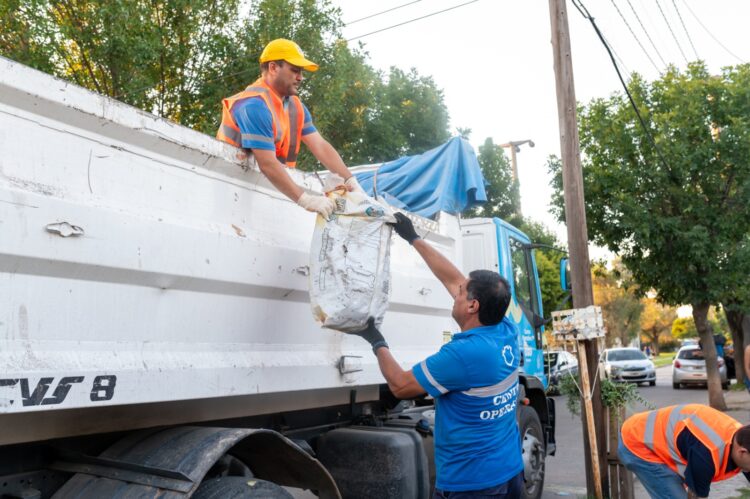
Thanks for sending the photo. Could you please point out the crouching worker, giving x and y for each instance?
(473, 378)
(681, 449)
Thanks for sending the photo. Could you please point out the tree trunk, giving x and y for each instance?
(715, 394)
(734, 319)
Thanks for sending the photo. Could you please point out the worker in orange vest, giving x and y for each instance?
(683, 448)
(269, 119)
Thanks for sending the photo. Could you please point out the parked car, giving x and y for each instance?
(689, 368)
(558, 364)
(627, 364)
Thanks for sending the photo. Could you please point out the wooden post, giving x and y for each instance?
(589, 410)
(575, 216)
(620, 478)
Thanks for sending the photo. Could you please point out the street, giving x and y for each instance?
(565, 471)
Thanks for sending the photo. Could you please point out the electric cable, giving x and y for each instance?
(671, 31)
(349, 40)
(586, 15)
(684, 28)
(638, 18)
(711, 34)
(412, 20)
(636, 37)
(379, 13)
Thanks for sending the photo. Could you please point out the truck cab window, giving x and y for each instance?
(523, 279)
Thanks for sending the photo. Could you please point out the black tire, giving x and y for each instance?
(725, 386)
(534, 452)
(676, 386)
(238, 487)
(652, 383)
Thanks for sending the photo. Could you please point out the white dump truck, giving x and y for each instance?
(156, 338)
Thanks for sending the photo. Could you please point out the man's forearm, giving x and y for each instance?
(276, 173)
(402, 383)
(444, 270)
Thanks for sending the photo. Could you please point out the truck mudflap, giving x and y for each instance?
(171, 463)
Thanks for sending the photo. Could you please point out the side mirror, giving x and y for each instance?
(565, 275)
(537, 321)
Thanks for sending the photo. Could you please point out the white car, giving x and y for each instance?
(627, 364)
(689, 368)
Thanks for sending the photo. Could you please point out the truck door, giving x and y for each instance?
(527, 294)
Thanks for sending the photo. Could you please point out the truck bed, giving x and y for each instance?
(150, 275)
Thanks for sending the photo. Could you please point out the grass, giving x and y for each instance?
(663, 359)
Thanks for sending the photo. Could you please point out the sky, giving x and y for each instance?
(493, 60)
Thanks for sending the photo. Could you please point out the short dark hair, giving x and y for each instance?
(492, 292)
(742, 437)
(264, 65)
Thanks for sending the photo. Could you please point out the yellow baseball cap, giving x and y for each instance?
(286, 50)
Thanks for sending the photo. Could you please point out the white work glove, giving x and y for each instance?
(353, 186)
(320, 204)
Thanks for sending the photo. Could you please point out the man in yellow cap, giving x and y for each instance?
(269, 119)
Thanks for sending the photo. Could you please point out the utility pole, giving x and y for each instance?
(575, 216)
(515, 146)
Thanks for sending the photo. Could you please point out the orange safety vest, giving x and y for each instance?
(652, 436)
(287, 122)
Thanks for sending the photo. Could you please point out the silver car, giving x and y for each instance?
(627, 364)
(689, 368)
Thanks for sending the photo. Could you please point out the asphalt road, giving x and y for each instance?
(566, 474)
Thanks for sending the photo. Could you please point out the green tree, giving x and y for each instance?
(154, 55)
(179, 58)
(676, 218)
(656, 321)
(503, 198)
(547, 257)
(684, 328)
(615, 292)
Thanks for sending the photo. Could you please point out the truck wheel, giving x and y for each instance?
(532, 446)
(237, 487)
(676, 386)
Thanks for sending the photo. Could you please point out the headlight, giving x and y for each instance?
(615, 369)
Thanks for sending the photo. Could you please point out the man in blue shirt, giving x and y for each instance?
(473, 379)
(269, 119)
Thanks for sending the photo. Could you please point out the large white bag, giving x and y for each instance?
(350, 262)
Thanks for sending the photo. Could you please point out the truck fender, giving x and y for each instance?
(170, 463)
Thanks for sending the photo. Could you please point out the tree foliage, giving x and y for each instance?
(618, 295)
(656, 322)
(179, 58)
(503, 198)
(679, 215)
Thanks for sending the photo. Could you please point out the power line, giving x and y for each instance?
(252, 69)
(685, 28)
(670, 30)
(711, 34)
(411, 20)
(635, 13)
(585, 13)
(635, 36)
(379, 13)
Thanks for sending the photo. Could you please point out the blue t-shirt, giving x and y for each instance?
(256, 123)
(474, 380)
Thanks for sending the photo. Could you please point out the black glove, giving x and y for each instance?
(405, 228)
(372, 335)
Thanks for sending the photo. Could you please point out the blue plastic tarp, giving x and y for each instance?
(447, 178)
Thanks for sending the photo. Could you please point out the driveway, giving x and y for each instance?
(565, 471)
